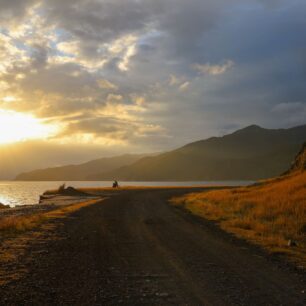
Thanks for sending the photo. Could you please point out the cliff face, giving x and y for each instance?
(299, 163)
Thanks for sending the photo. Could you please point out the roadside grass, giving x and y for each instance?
(17, 224)
(269, 214)
(13, 225)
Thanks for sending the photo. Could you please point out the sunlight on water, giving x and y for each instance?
(27, 193)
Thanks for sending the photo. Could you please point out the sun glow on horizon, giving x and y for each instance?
(17, 127)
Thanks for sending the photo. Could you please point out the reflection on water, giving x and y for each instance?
(22, 193)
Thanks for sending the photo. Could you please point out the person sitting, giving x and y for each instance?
(115, 184)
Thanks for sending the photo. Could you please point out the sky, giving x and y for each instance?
(84, 79)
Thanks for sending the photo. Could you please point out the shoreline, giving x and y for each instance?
(60, 200)
(16, 193)
(13, 218)
(106, 188)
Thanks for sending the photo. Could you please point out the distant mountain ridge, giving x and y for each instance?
(248, 154)
(79, 172)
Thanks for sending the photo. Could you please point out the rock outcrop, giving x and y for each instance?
(299, 163)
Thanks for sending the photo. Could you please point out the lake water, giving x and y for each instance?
(24, 193)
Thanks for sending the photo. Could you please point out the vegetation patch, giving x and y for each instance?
(18, 224)
(271, 214)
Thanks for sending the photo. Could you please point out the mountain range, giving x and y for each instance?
(80, 172)
(250, 153)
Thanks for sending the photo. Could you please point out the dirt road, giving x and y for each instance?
(135, 249)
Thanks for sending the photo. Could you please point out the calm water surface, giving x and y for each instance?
(24, 193)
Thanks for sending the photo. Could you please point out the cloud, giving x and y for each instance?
(174, 80)
(213, 69)
(271, 3)
(291, 113)
(184, 86)
(13, 10)
(105, 84)
(295, 107)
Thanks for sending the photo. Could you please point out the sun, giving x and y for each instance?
(17, 127)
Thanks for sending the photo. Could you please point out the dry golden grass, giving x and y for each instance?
(268, 214)
(15, 224)
(18, 224)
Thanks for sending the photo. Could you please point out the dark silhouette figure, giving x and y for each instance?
(115, 184)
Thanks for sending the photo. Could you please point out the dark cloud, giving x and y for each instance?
(100, 22)
(13, 10)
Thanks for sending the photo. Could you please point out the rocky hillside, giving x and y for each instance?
(299, 163)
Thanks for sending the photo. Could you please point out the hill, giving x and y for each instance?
(79, 172)
(271, 213)
(248, 154)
